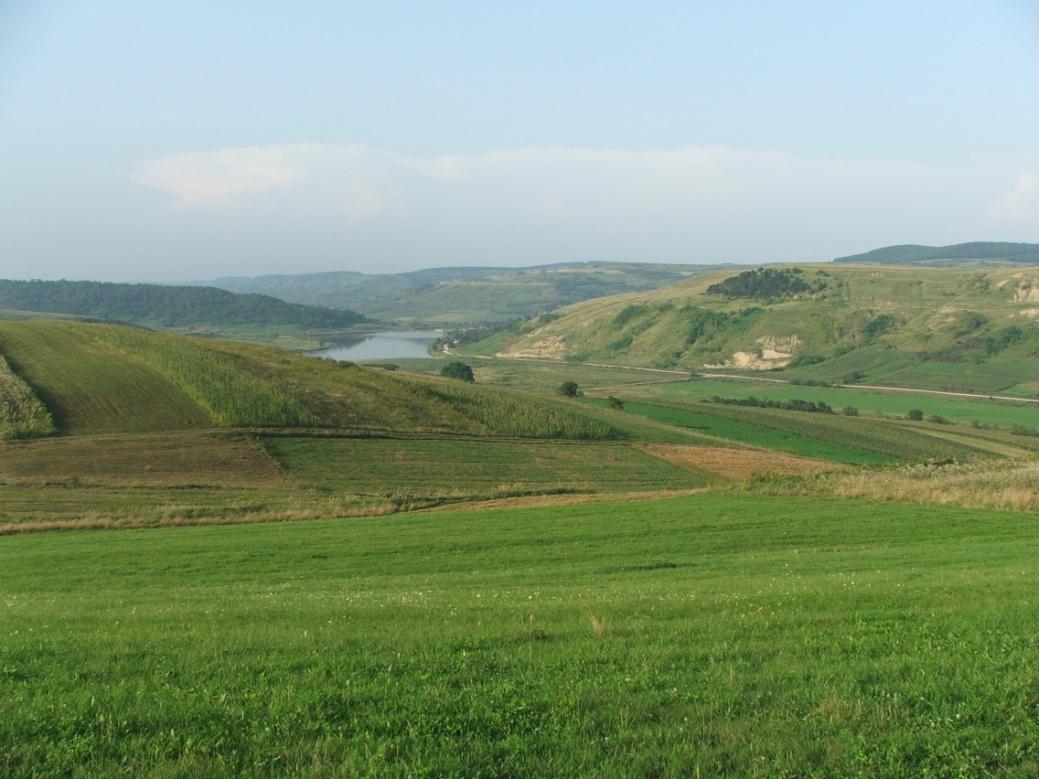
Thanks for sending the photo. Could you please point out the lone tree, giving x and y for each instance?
(915, 414)
(458, 370)
(616, 403)
(569, 389)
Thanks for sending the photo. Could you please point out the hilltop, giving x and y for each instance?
(215, 310)
(941, 328)
(976, 253)
(463, 295)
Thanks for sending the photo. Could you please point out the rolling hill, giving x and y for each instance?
(99, 378)
(207, 309)
(463, 295)
(975, 253)
(974, 330)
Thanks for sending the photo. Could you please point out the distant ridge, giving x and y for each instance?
(166, 306)
(460, 295)
(955, 254)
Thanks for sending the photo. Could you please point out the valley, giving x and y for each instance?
(661, 567)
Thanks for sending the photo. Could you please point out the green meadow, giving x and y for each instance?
(732, 429)
(711, 635)
(877, 402)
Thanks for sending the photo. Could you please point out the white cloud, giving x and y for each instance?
(1021, 202)
(697, 204)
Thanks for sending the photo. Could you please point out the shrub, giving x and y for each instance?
(458, 370)
(937, 419)
(850, 411)
(634, 311)
(915, 414)
(616, 403)
(878, 326)
(803, 360)
(569, 389)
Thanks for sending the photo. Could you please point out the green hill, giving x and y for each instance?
(975, 330)
(98, 378)
(205, 308)
(464, 295)
(963, 254)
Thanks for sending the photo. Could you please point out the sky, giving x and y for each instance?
(175, 141)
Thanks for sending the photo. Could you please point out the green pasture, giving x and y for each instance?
(715, 635)
(702, 421)
(896, 404)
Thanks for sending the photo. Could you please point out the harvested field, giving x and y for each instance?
(164, 459)
(1001, 485)
(738, 463)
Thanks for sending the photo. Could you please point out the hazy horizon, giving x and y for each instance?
(194, 142)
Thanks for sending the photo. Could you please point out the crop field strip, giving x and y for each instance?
(854, 440)
(22, 413)
(750, 636)
(89, 386)
(194, 459)
(431, 466)
(1008, 485)
(722, 427)
(870, 402)
(200, 477)
(739, 464)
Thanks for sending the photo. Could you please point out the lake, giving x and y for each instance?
(381, 346)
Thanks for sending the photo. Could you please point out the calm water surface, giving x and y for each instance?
(381, 346)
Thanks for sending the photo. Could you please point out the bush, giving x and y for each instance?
(937, 419)
(616, 403)
(850, 411)
(458, 370)
(804, 360)
(569, 389)
(915, 414)
(878, 326)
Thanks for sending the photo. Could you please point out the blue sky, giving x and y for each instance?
(175, 141)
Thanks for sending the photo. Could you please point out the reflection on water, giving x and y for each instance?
(381, 346)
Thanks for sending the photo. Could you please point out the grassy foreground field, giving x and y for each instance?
(712, 635)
